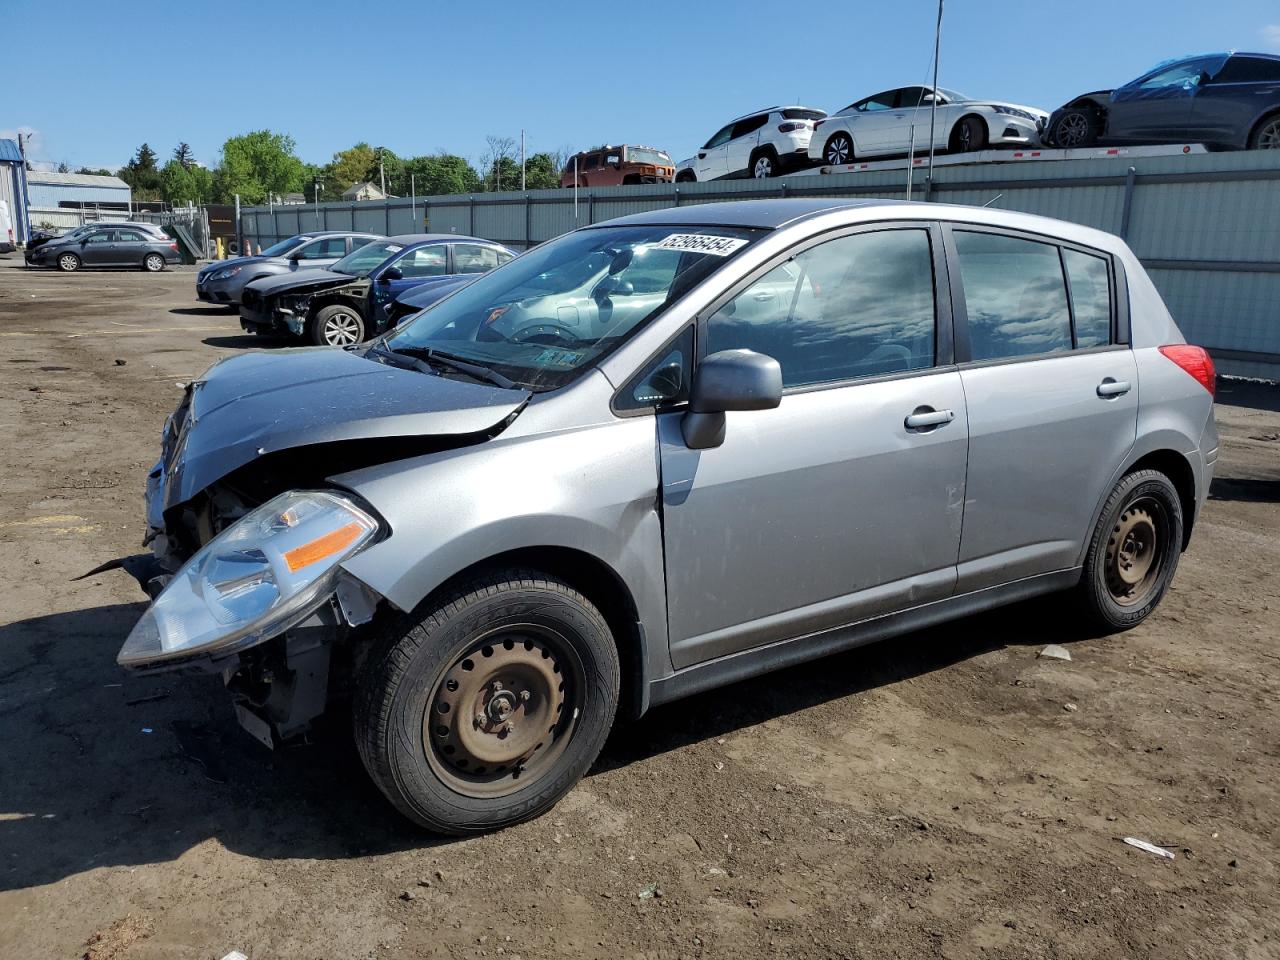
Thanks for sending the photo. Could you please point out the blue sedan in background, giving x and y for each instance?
(348, 302)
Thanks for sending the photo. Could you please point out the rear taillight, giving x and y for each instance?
(174, 246)
(1195, 361)
(818, 123)
(793, 126)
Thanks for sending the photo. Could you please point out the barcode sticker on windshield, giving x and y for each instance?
(393, 248)
(701, 243)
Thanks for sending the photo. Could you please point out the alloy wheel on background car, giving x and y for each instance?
(1072, 130)
(1268, 135)
(68, 262)
(839, 149)
(153, 262)
(763, 168)
(341, 329)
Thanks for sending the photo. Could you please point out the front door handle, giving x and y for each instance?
(922, 418)
(1113, 388)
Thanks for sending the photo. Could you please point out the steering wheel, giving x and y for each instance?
(545, 333)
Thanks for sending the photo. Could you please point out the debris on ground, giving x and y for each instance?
(117, 939)
(1150, 848)
(650, 892)
(1070, 707)
(1055, 651)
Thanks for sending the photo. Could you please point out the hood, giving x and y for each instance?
(425, 294)
(256, 404)
(233, 262)
(293, 283)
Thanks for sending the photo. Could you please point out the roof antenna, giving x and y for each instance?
(993, 199)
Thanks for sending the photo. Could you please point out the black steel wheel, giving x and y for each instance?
(1133, 552)
(968, 136)
(486, 707)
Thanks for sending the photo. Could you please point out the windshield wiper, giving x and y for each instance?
(459, 364)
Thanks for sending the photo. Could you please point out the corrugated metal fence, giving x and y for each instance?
(1205, 225)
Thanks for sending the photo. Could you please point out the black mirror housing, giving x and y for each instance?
(729, 380)
(391, 273)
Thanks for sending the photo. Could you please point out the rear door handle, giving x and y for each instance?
(1113, 388)
(924, 417)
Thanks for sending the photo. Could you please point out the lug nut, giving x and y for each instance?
(497, 686)
(524, 694)
(511, 727)
(479, 719)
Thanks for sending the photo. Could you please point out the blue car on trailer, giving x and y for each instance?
(348, 302)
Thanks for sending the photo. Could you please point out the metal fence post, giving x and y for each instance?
(386, 217)
(590, 209)
(1126, 209)
(471, 215)
(528, 239)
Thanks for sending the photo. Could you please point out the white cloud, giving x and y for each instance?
(1271, 36)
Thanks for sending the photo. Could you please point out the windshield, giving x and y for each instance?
(646, 155)
(953, 95)
(362, 262)
(284, 246)
(546, 316)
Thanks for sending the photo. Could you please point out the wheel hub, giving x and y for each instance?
(496, 708)
(1132, 553)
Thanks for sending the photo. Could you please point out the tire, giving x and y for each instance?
(1077, 127)
(1266, 135)
(686, 176)
(153, 263)
(336, 325)
(764, 164)
(68, 262)
(1133, 552)
(968, 136)
(418, 747)
(839, 150)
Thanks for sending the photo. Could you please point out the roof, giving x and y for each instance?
(9, 152)
(356, 188)
(408, 238)
(791, 106)
(743, 213)
(75, 180)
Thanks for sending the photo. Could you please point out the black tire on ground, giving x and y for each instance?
(153, 263)
(68, 262)
(336, 325)
(839, 149)
(686, 176)
(1133, 552)
(968, 136)
(439, 686)
(764, 164)
(1076, 127)
(1266, 135)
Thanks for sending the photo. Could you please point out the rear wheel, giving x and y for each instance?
(1266, 135)
(839, 149)
(764, 165)
(1134, 551)
(491, 706)
(337, 325)
(153, 263)
(68, 262)
(1076, 127)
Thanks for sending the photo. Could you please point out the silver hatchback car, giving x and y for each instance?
(512, 519)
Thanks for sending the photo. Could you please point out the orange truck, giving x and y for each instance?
(612, 166)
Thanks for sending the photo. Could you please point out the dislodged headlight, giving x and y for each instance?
(227, 274)
(256, 579)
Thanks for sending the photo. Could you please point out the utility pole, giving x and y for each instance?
(575, 189)
(382, 173)
(522, 160)
(319, 185)
(933, 104)
(413, 198)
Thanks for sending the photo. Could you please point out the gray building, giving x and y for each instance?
(13, 191)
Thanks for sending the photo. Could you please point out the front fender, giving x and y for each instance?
(593, 490)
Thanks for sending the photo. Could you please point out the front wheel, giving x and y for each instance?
(337, 325)
(68, 262)
(1133, 552)
(153, 263)
(969, 136)
(486, 709)
(1076, 127)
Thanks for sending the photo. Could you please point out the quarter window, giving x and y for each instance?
(750, 125)
(857, 306)
(1090, 285)
(1014, 295)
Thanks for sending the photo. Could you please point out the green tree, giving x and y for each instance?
(181, 185)
(182, 153)
(349, 167)
(256, 163)
(99, 172)
(440, 174)
(541, 172)
(142, 175)
(394, 169)
(63, 168)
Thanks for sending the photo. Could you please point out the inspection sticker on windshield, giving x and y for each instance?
(559, 358)
(701, 243)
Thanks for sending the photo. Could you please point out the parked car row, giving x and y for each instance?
(1225, 100)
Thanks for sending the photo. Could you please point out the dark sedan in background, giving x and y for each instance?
(348, 302)
(1229, 101)
(223, 281)
(108, 245)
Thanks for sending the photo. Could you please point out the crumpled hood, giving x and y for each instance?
(427, 293)
(295, 283)
(260, 403)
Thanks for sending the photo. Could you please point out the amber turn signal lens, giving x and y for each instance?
(321, 547)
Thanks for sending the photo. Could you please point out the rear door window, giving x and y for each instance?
(1014, 294)
(101, 236)
(1090, 282)
(424, 262)
(130, 236)
(1249, 70)
(474, 258)
(749, 125)
(315, 250)
(857, 306)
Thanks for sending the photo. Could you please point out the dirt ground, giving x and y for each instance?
(943, 794)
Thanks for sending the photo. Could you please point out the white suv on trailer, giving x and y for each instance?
(761, 144)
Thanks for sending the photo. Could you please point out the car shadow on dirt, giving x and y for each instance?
(108, 769)
(214, 311)
(249, 341)
(1249, 491)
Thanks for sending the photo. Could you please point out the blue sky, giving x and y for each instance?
(97, 79)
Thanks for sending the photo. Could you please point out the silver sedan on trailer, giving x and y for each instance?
(661, 454)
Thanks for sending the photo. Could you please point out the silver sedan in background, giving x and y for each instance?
(223, 280)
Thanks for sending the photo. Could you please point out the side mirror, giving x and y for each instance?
(613, 287)
(728, 380)
(391, 273)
